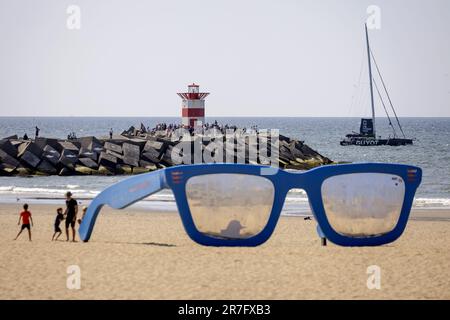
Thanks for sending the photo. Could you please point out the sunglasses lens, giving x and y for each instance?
(363, 204)
(230, 206)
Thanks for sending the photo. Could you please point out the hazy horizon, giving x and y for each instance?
(256, 58)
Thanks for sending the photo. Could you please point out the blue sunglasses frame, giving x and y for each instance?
(133, 189)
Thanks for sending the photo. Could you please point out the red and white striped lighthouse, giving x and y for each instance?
(193, 106)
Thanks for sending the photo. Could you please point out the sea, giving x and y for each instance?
(430, 151)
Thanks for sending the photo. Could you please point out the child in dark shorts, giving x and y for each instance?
(59, 218)
(26, 218)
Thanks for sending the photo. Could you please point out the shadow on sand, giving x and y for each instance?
(156, 244)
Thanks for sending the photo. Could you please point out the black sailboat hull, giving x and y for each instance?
(364, 141)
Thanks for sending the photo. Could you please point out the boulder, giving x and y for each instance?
(43, 142)
(50, 154)
(147, 165)
(46, 167)
(139, 170)
(89, 142)
(22, 171)
(14, 137)
(132, 161)
(105, 170)
(29, 147)
(130, 149)
(68, 158)
(151, 155)
(85, 170)
(130, 131)
(8, 147)
(107, 160)
(153, 145)
(124, 169)
(16, 143)
(167, 156)
(113, 147)
(88, 153)
(115, 154)
(89, 163)
(131, 154)
(137, 142)
(30, 159)
(70, 146)
(96, 148)
(65, 172)
(9, 163)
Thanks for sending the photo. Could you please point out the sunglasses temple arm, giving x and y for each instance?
(122, 195)
(321, 235)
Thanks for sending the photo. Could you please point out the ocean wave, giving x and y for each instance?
(296, 196)
(296, 199)
(45, 191)
(72, 186)
(297, 191)
(431, 202)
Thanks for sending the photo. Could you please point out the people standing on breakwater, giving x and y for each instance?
(59, 218)
(167, 129)
(36, 135)
(26, 218)
(71, 215)
(25, 137)
(111, 134)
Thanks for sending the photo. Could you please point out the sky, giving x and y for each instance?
(255, 57)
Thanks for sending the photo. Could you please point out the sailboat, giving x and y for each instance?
(367, 131)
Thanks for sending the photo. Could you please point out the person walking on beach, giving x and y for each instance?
(26, 218)
(70, 214)
(37, 131)
(59, 218)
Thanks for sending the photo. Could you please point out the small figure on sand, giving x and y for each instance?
(70, 214)
(59, 218)
(37, 132)
(26, 218)
(83, 210)
(111, 132)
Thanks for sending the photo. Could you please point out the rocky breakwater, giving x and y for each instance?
(134, 154)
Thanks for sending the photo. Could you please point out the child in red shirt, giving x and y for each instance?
(25, 215)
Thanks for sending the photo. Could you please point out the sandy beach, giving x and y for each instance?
(147, 255)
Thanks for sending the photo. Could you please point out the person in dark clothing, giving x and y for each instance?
(70, 214)
(59, 218)
(37, 131)
(25, 137)
(111, 133)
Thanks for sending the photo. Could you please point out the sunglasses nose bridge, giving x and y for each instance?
(296, 180)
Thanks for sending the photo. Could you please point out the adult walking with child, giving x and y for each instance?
(71, 215)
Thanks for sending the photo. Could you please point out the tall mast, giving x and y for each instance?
(370, 81)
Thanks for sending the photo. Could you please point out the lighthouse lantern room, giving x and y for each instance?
(193, 106)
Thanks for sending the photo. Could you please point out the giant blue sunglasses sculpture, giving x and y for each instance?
(239, 205)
